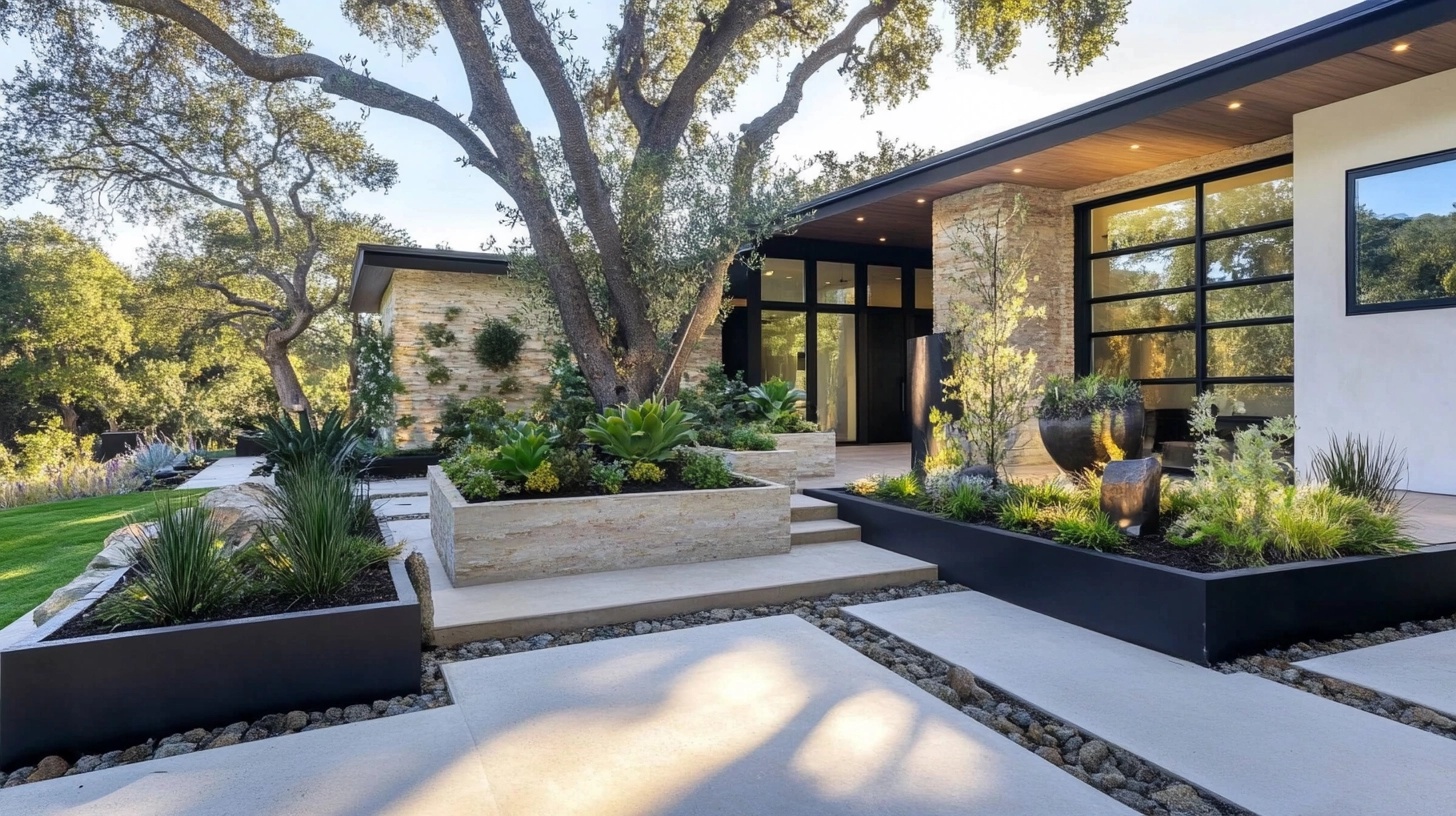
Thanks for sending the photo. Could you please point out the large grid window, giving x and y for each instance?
(1190, 288)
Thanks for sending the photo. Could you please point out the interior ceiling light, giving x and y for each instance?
(882, 239)
(768, 273)
(1400, 47)
(919, 201)
(859, 218)
(1235, 105)
(1137, 147)
(1016, 169)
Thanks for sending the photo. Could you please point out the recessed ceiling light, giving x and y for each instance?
(1016, 169)
(1235, 105)
(1137, 147)
(882, 238)
(1399, 47)
(919, 201)
(859, 218)
(768, 273)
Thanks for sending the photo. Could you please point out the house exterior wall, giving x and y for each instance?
(416, 298)
(1391, 373)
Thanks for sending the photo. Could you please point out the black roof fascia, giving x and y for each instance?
(1333, 35)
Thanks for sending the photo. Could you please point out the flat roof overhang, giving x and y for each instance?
(1180, 115)
(374, 266)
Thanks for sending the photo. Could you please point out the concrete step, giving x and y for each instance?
(803, 508)
(1263, 746)
(622, 596)
(822, 531)
(1419, 669)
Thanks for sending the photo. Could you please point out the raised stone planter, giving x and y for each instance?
(84, 694)
(816, 452)
(777, 466)
(491, 542)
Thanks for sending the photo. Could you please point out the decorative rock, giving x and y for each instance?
(225, 739)
(1131, 492)
(964, 683)
(49, 768)
(295, 720)
(1091, 755)
(1183, 800)
(87, 763)
(239, 510)
(419, 576)
(236, 729)
(1050, 755)
(255, 734)
(69, 594)
(120, 547)
(136, 753)
(175, 749)
(357, 712)
(197, 735)
(940, 690)
(1136, 801)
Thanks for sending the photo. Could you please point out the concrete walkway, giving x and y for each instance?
(768, 716)
(1419, 669)
(1263, 746)
(224, 472)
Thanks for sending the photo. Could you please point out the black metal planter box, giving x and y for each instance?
(402, 465)
(106, 692)
(1201, 617)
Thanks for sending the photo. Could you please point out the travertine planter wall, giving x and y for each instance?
(777, 466)
(491, 542)
(816, 452)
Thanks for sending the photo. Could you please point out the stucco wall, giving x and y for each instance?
(1371, 374)
(416, 298)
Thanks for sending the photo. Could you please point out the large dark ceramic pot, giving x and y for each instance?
(1087, 442)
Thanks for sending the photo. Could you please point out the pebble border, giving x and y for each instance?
(1277, 665)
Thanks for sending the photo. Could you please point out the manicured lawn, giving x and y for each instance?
(44, 546)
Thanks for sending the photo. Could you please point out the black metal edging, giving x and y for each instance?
(103, 691)
(1342, 32)
(1200, 617)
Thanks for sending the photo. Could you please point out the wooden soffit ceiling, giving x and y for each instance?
(1265, 110)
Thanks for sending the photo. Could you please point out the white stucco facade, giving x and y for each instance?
(1391, 373)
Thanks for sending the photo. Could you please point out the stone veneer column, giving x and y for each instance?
(1048, 236)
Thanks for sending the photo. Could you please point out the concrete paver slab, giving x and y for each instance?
(768, 716)
(400, 487)
(1268, 748)
(224, 472)
(411, 765)
(401, 506)
(1419, 669)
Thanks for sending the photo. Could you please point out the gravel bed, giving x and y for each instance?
(1108, 768)
(1277, 665)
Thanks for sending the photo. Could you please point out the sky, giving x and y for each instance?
(441, 204)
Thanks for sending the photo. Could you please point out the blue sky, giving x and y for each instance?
(439, 203)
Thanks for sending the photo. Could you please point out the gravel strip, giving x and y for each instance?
(1108, 768)
(1277, 665)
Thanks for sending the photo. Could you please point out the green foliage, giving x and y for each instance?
(1070, 398)
(1019, 514)
(750, 438)
(903, 488)
(437, 334)
(776, 404)
(469, 469)
(948, 446)
(566, 401)
(311, 548)
(377, 384)
(452, 312)
(154, 457)
(182, 574)
(993, 377)
(290, 444)
(1371, 469)
(704, 471)
(524, 450)
(509, 384)
(498, 344)
(967, 501)
(480, 421)
(645, 472)
(573, 467)
(608, 476)
(646, 432)
(719, 404)
(1078, 526)
(543, 480)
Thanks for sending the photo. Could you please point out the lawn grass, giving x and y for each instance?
(44, 546)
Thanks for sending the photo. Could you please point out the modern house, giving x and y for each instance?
(1276, 224)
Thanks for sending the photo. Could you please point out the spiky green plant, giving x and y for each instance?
(1373, 469)
(646, 432)
(291, 443)
(525, 449)
(776, 403)
(182, 574)
(1078, 526)
(308, 548)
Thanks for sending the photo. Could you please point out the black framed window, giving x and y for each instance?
(1401, 235)
(1189, 287)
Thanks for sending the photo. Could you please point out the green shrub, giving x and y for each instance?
(966, 501)
(572, 467)
(902, 488)
(608, 476)
(291, 444)
(1372, 469)
(525, 449)
(308, 549)
(469, 470)
(776, 403)
(1070, 398)
(751, 438)
(498, 344)
(1079, 527)
(566, 401)
(705, 471)
(482, 421)
(543, 480)
(182, 574)
(1019, 514)
(645, 472)
(647, 432)
(437, 334)
(1044, 494)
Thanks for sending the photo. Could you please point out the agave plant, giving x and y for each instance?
(153, 458)
(776, 402)
(290, 443)
(647, 432)
(527, 446)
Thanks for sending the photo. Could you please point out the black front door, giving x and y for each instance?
(887, 419)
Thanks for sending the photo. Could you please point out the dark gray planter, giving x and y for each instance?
(1201, 617)
(1082, 443)
(105, 692)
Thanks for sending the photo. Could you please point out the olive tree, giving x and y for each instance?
(625, 126)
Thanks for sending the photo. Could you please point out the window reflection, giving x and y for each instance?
(1260, 197)
(884, 286)
(836, 282)
(783, 280)
(783, 342)
(1405, 234)
(1167, 268)
(835, 359)
(1149, 220)
(924, 289)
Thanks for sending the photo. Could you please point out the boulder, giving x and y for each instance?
(69, 594)
(1131, 494)
(240, 510)
(121, 547)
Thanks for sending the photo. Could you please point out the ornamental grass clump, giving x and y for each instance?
(1372, 469)
(182, 574)
(1073, 397)
(311, 547)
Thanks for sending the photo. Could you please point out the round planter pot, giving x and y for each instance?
(1087, 442)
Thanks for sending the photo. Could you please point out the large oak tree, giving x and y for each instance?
(628, 128)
